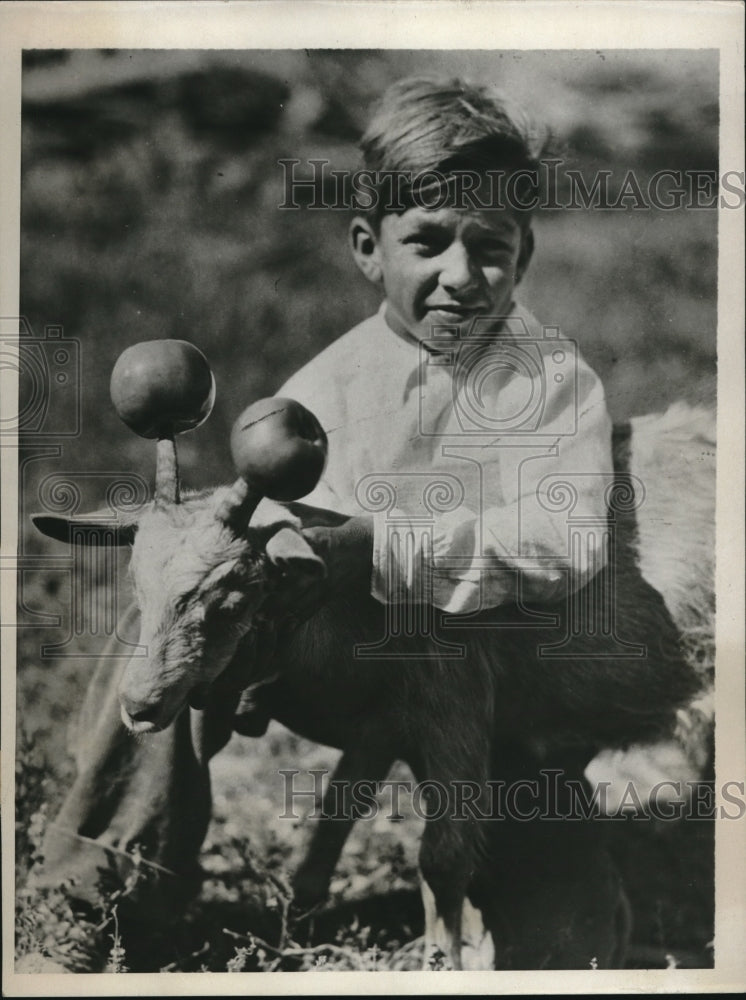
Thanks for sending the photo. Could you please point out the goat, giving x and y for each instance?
(200, 585)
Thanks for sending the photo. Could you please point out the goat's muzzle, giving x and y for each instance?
(139, 719)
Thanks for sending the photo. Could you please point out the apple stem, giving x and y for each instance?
(167, 471)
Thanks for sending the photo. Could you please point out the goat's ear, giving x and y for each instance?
(98, 528)
(288, 550)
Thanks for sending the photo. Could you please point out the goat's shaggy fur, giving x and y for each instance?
(673, 455)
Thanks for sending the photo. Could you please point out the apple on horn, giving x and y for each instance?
(279, 448)
(161, 388)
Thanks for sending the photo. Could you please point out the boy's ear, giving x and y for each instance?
(365, 249)
(525, 254)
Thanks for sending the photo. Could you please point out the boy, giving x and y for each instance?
(452, 380)
(452, 397)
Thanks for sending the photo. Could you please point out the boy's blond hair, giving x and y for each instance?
(434, 125)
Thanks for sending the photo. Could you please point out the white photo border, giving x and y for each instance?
(501, 24)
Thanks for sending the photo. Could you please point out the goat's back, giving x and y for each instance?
(673, 455)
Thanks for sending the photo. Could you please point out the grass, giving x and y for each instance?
(242, 919)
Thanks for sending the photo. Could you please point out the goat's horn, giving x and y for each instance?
(237, 508)
(167, 471)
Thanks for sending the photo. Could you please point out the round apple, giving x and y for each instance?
(162, 387)
(279, 448)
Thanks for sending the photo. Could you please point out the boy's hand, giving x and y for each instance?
(347, 552)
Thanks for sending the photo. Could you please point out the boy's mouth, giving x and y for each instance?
(452, 313)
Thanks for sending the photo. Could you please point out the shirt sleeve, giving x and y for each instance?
(542, 531)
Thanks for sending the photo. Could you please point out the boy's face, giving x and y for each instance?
(445, 267)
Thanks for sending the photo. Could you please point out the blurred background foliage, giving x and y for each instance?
(151, 188)
(150, 193)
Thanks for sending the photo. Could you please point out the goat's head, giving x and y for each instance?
(199, 582)
(200, 571)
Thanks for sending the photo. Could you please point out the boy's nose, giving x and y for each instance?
(458, 270)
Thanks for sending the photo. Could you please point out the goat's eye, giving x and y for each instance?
(234, 602)
(229, 605)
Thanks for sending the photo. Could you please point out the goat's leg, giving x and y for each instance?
(449, 856)
(447, 863)
(452, 769)
(358, 763)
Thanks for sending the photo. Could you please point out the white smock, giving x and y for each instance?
(485, 462)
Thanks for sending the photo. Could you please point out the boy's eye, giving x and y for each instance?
(429, 239)
(494, 249)
(426, 245)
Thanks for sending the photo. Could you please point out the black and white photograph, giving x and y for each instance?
(372, 456)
